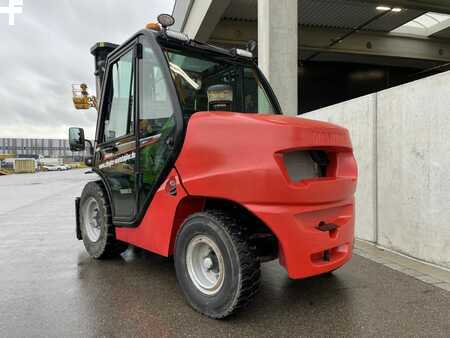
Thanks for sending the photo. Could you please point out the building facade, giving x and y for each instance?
(37, 147)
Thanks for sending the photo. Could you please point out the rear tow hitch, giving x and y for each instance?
(322, 226)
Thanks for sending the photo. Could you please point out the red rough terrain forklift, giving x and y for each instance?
(197, 162)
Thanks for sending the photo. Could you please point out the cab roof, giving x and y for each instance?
(173, 39)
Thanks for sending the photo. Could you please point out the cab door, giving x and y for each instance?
(116, 151)
(156, 120)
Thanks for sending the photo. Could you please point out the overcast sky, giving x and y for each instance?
(48, 49)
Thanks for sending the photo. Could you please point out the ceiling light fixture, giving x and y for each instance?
(383, 8)
(396, 9)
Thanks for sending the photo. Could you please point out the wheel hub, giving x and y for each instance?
(205, 264)
(91, 218)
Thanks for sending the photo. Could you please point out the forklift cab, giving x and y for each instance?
(149, 87)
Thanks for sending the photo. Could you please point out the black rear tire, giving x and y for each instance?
(241, 267)
(106, 245)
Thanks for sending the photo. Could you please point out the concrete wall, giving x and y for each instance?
(359, 117)
(414, 168)
(401, 138)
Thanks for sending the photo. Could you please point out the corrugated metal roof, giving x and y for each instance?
(334, 13)
(342, 14)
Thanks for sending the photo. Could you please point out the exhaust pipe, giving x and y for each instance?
(100, 51)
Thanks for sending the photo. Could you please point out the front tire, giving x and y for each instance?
(216, 268)
(96, 226)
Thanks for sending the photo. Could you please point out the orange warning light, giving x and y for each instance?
(154, 26)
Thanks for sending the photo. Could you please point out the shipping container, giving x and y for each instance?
(24, 165)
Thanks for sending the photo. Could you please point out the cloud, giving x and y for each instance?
(48, 49)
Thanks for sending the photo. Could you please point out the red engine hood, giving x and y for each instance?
(286, 131)
(234, 156)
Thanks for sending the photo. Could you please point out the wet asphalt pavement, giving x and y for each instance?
(49, 287)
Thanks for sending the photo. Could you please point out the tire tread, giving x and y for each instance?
(112, 246)
(249, 263)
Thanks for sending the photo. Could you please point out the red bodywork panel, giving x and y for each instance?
(238, 157)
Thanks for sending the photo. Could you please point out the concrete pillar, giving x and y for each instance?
(278, 49)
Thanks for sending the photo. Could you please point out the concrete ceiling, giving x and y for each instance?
(372, 59)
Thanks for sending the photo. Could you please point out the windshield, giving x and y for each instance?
(206, 84)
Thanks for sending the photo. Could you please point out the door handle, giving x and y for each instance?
(111, 149)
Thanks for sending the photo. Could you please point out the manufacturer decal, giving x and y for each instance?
(117, 160)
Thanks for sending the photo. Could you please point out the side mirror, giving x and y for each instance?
(76, 139)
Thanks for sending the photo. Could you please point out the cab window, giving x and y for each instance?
(206, 83)
(156, 105)
(156, 122)
(119, 118)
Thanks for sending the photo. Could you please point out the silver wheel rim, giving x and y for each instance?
(91, 219)
(205, 264)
